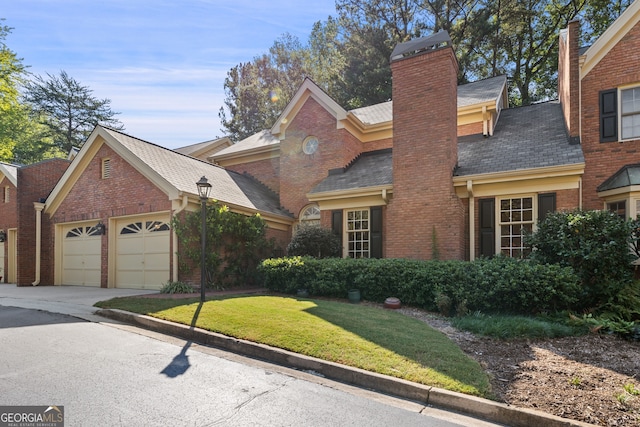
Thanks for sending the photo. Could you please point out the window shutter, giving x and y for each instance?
(546, 204)
(609, 115)
(487, 227)
(376, 232)
(336, 224)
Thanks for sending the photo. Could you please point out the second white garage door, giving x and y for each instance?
(142, 253)
(81, 260)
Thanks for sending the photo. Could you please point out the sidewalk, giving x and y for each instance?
(78, 302)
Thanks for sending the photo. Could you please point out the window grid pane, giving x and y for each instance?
(516, 219)
(631, 113)
(358, 234)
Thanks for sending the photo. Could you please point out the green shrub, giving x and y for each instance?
(176, 288)
(236, 244)
(498, 285)
(314, 241)
(594, 243)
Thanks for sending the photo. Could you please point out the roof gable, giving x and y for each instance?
(174, 173)
(607, 41)
(306, 90)
(10, 172)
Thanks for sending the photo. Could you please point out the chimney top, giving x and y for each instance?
(435, 41)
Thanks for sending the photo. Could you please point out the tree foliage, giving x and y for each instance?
(348, 56)
(235, 244)
(12, 113)
(315, 241)
(67, 109)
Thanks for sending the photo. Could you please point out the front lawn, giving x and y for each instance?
(369, 338)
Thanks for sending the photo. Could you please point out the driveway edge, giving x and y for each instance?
(443, 399)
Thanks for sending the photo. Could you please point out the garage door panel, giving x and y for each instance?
(143, 254)
(81, 256)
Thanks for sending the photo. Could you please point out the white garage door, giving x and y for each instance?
(81, 255)
(142, 254)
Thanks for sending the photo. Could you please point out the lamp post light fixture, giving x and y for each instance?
(204, 188)
(3, 236)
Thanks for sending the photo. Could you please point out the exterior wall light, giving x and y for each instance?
(101, 229)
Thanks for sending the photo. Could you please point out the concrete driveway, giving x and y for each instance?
(75, 301)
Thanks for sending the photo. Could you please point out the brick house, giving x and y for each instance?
(8, 222)
(442, 171)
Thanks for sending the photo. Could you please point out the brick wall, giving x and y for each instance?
(126, 192)
(8, 219)
(35, 182)
(620, 67)
(424, 206)
(266, 171)
(301, 172)
(470, 129)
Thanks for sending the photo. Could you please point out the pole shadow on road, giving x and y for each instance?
(180, 363)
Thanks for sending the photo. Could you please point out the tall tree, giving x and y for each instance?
(257, 91)
(12, 71)
(68, 109)
(22, 139)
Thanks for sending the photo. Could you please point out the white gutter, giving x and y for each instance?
(38, 207)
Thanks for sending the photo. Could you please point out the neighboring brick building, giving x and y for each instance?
(8, 222)
(442, 171)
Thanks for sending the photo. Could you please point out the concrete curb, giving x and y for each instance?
(468, 405)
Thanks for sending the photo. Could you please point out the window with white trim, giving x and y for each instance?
(357, 229)
(516, 218)
(619, 208)
(309, 215)
(630, 112)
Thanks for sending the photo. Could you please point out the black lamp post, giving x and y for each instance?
(203, 190)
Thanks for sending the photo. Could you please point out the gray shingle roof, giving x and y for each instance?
(486, 90)
(261, 139)
(524, 138)
(371, 169)
(182, 172)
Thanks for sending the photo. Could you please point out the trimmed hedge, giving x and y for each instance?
(497, 285)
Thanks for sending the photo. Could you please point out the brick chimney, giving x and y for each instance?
(426, 218)
(569, 78)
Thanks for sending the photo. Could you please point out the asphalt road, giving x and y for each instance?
(109, 374)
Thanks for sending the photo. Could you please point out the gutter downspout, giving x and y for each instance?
(472, 216)
(174, 239)
(38, 207)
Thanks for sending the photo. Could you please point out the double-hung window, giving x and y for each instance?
(516, 218)
(620, 114)
(358, 233)
(630, 113)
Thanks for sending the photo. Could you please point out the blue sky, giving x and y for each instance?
(162, 63)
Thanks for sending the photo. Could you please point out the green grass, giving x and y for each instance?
(369, 338)
(509, 327)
